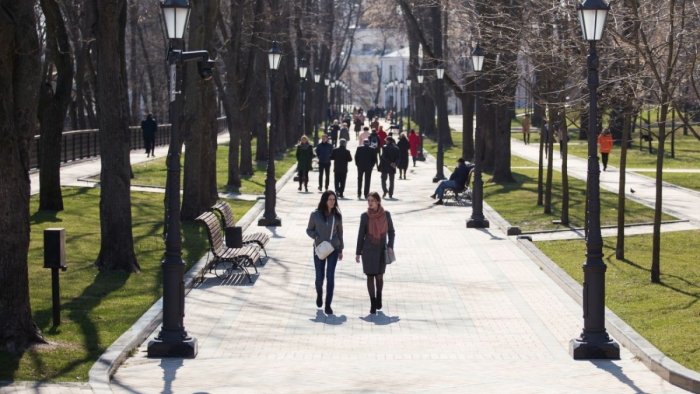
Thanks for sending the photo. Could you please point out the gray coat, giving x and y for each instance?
(374, 255)
(319, 229)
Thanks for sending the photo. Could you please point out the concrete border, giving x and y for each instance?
(652, 357)
(101, 372)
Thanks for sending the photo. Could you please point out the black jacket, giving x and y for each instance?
(461, 174)
(341, 157)
(389, 159)
(365, 158)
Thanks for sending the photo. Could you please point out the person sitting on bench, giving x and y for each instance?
(457, 181)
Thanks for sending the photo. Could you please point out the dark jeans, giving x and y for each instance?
(149, 144)
(605, 160)
(324, 168)
(367, 175)
(446, 184)
(303, 177)
(326, 268)
(339, 182)
(390, 190)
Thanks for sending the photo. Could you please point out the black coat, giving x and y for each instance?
(403, 153)
(365, 158)
(149, 127)
(389, 159)
(341, 157)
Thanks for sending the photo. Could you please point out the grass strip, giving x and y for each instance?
(666, 314)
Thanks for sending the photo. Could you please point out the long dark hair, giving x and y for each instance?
(323, 204)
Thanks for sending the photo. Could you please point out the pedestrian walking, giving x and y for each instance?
(345, 132)
(375, 239)
(413, 143)
(326, 224)
(149, 126)
(333, 132)
(365, 159)
(305, 155)
(340, 157)
(402, 164)
(363, 136)
(605, 141)
(526, 128)
(387, 166)
(323, 153)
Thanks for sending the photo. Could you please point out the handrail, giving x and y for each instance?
(85, 144)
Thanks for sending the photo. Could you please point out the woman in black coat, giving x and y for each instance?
(375, 236)
(403, 155)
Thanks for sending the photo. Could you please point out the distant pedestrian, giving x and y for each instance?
(387, 166)
(344, 132)
(359, 121)
(333, 132)
(340, 157)
(605, 141)
(149, 126)
(402, 164)
(323, 152)
(413, 142)
(382, 136)
(326, 224)
(374, 239)
(363, 136)
(304, 155)
(526, 128)
(365, 159)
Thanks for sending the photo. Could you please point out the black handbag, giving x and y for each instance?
(234, 237)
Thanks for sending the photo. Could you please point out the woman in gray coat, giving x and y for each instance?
(326, 224)
(376, 234)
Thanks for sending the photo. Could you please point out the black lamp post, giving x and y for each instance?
(317, 79)
(401, 105)
(173, 340)
(594, 342)
(302, 74)
(421, 156)
(477, 219)
(408, 104)
(326, 102)
(439, 95)
(333, 98)
(269, 218)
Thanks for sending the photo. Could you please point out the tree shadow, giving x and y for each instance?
(695, 296)
(79, 310)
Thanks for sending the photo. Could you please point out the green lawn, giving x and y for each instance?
(666, 314)
(96, 307)
(153, 173)
(517, 202)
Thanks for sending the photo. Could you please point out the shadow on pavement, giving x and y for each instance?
(332, 320)
(617, 372)
(381, 319)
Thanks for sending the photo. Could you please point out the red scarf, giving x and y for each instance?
(378, 225)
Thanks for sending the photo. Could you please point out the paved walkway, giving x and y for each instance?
(464, 311)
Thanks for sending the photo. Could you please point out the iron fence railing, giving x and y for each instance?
(84, 144)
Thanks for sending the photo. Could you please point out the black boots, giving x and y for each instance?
(373, 308)
(328, 310)
(378, 301)
(319, 299)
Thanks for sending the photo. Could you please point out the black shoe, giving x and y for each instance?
(328, 310)
(319, 300)
(299, 188)
(379, 301)
(384, 195)
(432, 196)
(373, 308)
(319, 188)
(358, 196)
(438, 202)
(306, 189)
(391, 196)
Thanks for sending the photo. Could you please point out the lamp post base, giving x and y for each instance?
(274, 222)
(477, 223)
(184, 348)
(582, 350)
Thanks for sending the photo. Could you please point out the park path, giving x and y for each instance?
(464, 311)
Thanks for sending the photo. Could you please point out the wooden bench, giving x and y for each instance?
(226, 259)
(465, 194)
(258, 238)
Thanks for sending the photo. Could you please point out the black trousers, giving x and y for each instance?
(389, 190)
(339, 181)
(367, 175)
(149, 144)
(324, 168)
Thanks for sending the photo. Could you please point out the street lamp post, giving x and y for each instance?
(401, 105)
(333, 98)
(269, 218)
(302, 74)
(326, 102)
(439, 95)
(477, 219)
(173, 340)
(594, 342)
(421, 156)
(409, 100)
(317, 79)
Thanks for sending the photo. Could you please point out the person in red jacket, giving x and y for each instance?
(413, 142)
(605, 142)
(382, 136)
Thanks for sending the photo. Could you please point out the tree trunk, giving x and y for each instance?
(117, 243)
(19, 62)
(200, 190)
(550, 168)
(564, 170)
(540, 171)
(467, 101)
(621, 193)
(52, 108)
(658, 206)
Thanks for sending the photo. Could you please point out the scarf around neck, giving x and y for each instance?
(378, 225)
